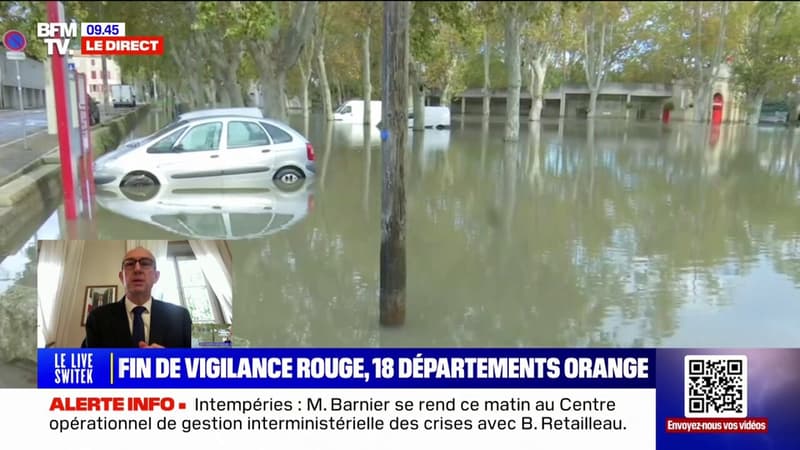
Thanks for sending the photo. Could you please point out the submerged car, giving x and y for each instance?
(211, 152)
(192, 115)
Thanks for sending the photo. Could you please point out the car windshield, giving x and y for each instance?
(162, 132)
(168, 129)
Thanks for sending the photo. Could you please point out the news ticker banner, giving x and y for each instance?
(603, 398)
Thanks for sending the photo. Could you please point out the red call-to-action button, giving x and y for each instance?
(742, 425)
(123, 45)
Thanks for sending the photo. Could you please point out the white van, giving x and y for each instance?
(435, 117)
(352, 111)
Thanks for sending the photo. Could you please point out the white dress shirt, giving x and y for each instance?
(129, 305)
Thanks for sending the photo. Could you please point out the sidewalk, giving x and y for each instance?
(14, 158)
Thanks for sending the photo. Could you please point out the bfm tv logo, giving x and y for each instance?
(97, 39)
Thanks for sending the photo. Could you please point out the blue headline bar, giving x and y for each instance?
(346, 368)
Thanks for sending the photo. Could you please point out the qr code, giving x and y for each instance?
(715, 386)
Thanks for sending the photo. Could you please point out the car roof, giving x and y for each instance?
(250, 112)
(282, 125)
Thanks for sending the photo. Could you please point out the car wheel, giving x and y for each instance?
(138, 179)
(139, 187)
(289, 178)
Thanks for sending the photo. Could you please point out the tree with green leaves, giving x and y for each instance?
(541, 42)
(320, 32)
(604, 44)
(428, 19)
(275, 35)
(767, 58)
(489, 18)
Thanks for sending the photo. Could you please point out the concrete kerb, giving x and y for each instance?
(35, 176)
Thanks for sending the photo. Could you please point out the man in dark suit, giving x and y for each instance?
(139, 320)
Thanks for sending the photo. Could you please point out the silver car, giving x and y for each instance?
(211, 152)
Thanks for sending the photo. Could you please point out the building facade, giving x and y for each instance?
(92, 66)
(32, 78)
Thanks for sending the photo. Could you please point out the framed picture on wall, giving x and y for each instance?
(97, 296)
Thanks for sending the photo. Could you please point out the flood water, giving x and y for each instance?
(581, 234)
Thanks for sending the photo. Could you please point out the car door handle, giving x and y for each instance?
(215, 156)
(265, 150)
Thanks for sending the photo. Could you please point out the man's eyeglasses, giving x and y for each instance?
(144, 263)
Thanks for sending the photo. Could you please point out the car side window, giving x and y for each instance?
(246, 134)
(202, 138)
(165, 144)
(278, 136)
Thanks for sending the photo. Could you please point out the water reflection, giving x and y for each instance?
(582, 233)
(244, 213)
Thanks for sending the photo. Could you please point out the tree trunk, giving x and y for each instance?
(196, 91)
(273, 83)
(221, 90)
(210, 95)
(701, 102)
(106, 90)
(513, 25)
(593, 94)
(447, 92)
(367, 170)
(233, 88)
(754, 111)
(304, 78)
(419, 98)
(509, 187)
(327, 107)
(365, 40)
(393, 199)
(328, 149)
(487, 98)
(595, 58)
(534, 147)
(538, 73)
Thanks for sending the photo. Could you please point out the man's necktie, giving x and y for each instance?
(138, 325)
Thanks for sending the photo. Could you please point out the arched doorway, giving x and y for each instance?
(716, 112)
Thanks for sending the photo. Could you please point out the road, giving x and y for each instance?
(36, 122)
(11, 123)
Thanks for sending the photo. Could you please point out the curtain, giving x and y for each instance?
(56, 283)
(210, 257)
(159, 249)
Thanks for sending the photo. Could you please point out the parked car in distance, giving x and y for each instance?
(123, 95)
(210, 153)
(352, 111)
(435, 117)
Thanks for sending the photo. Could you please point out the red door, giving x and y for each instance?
(716, 114)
